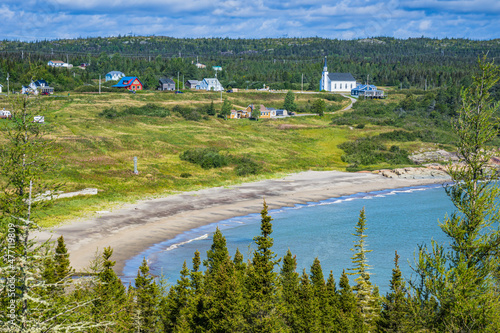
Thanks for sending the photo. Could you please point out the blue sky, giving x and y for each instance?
(345, 19)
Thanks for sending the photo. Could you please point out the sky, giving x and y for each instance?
(30, 20)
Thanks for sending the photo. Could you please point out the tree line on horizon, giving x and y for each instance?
(456, 289)
(247, 63)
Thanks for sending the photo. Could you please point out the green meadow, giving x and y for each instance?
(95, 151)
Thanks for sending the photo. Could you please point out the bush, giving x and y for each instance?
(185, 175)
(247, 166)
(109, 113)
(207, 158)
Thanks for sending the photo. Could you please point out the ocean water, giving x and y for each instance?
(397, 220)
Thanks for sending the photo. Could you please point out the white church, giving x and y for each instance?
(336, 82)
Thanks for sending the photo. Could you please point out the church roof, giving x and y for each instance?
(341, 77)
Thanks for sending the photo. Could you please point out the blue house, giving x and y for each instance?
(367, 90)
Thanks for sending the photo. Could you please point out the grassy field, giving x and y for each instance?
(98, 152)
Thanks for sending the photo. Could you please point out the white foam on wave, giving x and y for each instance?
(174, 246)
(380, 196)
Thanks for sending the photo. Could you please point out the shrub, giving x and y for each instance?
(185, 175)
(247, 166)
(109, 113)
(207, 158)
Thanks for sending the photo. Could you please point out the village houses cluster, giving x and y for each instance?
(330, 82)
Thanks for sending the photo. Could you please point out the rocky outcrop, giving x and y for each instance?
(433, 156)
(430, 172)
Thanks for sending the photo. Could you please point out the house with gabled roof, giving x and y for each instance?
(367, 90)
(191, 84)
(210, 84)
(166, 84)
(129, 82)
(58, 63)
(336, 82)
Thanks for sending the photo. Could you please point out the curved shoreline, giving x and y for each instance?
(136, 227)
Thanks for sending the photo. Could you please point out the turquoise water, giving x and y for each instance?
(396, 220)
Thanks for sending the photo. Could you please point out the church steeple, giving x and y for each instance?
(323, 83)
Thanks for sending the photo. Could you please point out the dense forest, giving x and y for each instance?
(284, 63)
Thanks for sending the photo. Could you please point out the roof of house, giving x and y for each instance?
(365, 87)
(126, 81)
(211, 80)
(57, 62)
(115, 73)
(42, 82)
(166, 80)
(341, 77)
(193, 81)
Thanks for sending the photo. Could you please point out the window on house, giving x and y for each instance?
(335, 86)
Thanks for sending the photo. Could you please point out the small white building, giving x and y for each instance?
(1, 88)
(210, 84)
(336, 82)
(114, 76)
(59, 63)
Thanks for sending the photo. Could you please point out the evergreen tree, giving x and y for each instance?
(289, 103)
(61, 261)
(319, 107)
(308, 311)
(289, 281)
(263, 314)
(211, 109)
(226, 108)
(111, 303)
(464, 279)
(366, 299)
(396, 312)
(176, 301)
(147, 299)
(350, 316)
(217, 254)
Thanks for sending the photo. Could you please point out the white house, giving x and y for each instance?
(336, 82)
(1, 88)
(114, 76)
(59, 63)
(211, 84)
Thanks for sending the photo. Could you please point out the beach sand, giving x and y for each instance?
(133, 228)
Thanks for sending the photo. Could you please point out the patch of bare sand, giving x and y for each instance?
(135, 227)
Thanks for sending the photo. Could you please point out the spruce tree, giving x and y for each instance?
(366, 299)
(289, 103)
(147, 299)
(111, 303)
(263, 313)
(289, 281)
(61, 261)
(464, 279)
(350, 316)
(226, 108)
(396, 312)
(308, 311)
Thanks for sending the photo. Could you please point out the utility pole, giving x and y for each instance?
(8, 90)
(22, 54)
(183, 87)
(99, 84)
(178, 84)
(67, 59)
(425, 84)
(302, 86)
(367, 78)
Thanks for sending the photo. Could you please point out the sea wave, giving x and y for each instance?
(174, 246)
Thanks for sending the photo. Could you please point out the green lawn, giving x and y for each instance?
(98, 152)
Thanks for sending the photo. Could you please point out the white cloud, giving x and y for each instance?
(37, 19)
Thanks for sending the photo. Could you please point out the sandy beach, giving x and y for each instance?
(133, 228)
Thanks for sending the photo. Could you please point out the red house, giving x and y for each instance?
(129, 82)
